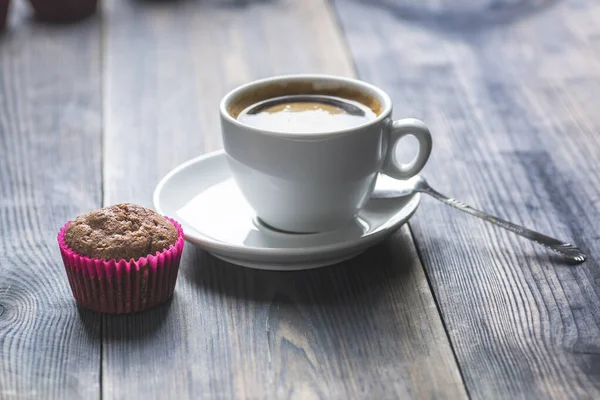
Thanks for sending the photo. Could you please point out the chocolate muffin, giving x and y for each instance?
(123, 231)
(63, 10)
(122, 258)
(3, 13)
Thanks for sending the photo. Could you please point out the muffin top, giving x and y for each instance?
(122, 231)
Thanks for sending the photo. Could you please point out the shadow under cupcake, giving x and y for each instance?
(121, 259)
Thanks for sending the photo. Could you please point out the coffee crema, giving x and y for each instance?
(306, 113)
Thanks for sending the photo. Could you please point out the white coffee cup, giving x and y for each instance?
(315, 182)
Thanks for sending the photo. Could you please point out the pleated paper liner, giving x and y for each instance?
(122, 286)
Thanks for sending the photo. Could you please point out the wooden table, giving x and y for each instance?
(97, 112)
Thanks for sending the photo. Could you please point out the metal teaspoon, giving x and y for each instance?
(419, 184)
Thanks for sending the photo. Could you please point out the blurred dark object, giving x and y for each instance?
(63, 10)
(3, 13)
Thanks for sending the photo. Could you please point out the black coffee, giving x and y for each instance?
(306, 114)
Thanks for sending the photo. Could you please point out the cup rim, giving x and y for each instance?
(381, 96)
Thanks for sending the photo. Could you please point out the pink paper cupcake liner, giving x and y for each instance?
(121, 286)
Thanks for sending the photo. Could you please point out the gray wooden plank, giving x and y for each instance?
(510, 91)
(366, 329)
(50, 130)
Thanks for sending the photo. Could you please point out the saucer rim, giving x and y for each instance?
(287, 266)
(212, 245)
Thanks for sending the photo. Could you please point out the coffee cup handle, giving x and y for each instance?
(399, 129)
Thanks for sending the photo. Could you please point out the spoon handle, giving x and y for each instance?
(563, 248)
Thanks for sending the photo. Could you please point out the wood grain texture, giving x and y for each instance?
(50, 129)
(510, 90)
(169, 63)
(366, 329)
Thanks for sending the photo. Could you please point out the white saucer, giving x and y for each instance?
(203, 197)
